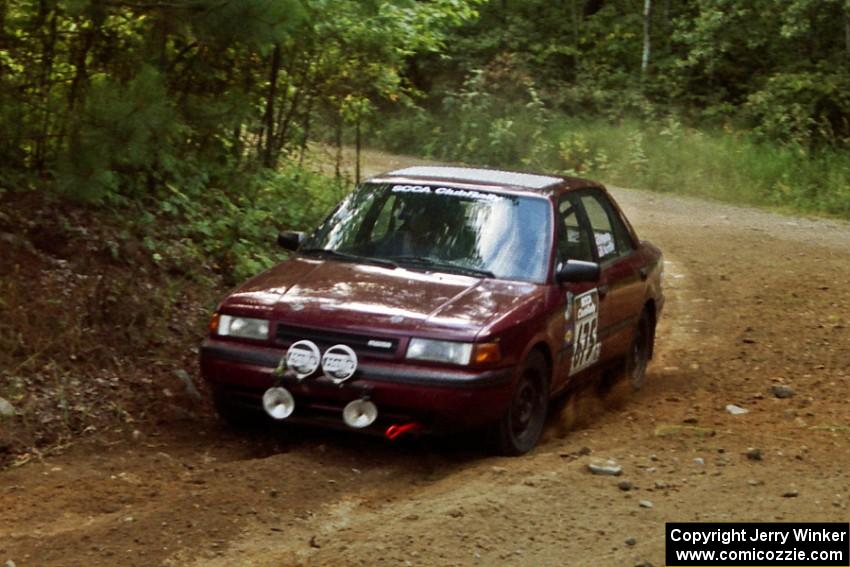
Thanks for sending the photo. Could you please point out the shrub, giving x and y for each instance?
(807, 109)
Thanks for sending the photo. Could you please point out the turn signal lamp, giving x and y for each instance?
(486, 354)
(214, 324)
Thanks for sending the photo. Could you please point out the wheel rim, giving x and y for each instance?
(526, 416)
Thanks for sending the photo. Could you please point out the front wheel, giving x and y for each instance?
(519, 430)
(237, 417)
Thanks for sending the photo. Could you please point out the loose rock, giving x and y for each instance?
(736, 410)
(782, 391)
(184, 377)
(699, 461)
(6, 409)
(645, 504)
(631, 541)
(624, 485)
(608, 467)
(790, 494)
(754, 454)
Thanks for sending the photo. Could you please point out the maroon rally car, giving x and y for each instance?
(441, 298)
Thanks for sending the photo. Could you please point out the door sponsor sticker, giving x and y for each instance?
(586, 346)
(604, 243)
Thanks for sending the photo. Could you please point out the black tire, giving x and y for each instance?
(637, 359)
(235, 415)
(519, 430)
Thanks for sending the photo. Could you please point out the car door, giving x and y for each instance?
(620, 283)
(580, 306)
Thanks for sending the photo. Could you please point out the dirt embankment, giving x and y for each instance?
(755, 300)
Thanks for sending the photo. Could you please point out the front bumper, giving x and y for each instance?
(437, 397)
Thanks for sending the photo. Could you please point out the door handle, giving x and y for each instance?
(644, 273)
(602, 291)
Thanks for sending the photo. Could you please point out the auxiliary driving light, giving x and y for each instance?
(359, 414)
(339, 363)
(303, 357)
(278, 403)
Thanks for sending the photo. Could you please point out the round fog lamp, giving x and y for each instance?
(303, 357)
(359, 414)
(278, 403)
(340, 363)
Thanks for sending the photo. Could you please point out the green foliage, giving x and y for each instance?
(176, 108)
(804, 109)
(183, 110)
(492, 130)
(662, 155)
(713, 61)
(233, 232)
(723, 164)
(123, 133)
(116, 99)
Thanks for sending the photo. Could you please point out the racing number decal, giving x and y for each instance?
(586, 348)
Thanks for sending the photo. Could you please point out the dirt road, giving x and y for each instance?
(755, 299)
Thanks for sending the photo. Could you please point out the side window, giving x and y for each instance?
(573, 237)
(609, 233)
(621, 233)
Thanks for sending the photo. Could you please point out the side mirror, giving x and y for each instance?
(578, 271)
(290, 239)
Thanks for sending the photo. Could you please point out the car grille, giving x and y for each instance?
(380, 346)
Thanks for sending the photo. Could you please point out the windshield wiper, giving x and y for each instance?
(328, 253)
(425, 261)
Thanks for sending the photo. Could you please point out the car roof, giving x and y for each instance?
(485, 178)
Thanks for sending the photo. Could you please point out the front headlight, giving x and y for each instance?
(244, 327)
(439, 351)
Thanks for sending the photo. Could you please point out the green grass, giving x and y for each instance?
(662, 156)
(718, 164)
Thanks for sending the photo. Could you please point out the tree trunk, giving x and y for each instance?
(3, 8)
(48, 46)
(269, 155)
(338, 141)
(87, 42)
(306, 137)
(357, 151)
(847, 30)
(303, 87)
(647, 32)
(575, 17)
(236, 147)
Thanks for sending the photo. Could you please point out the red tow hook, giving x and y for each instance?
(395, 431)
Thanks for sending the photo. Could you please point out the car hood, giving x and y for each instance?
(350, 296)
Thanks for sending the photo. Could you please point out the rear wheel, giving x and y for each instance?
(637, 358)
(519, 430)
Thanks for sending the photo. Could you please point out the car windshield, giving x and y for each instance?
(440, 228)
